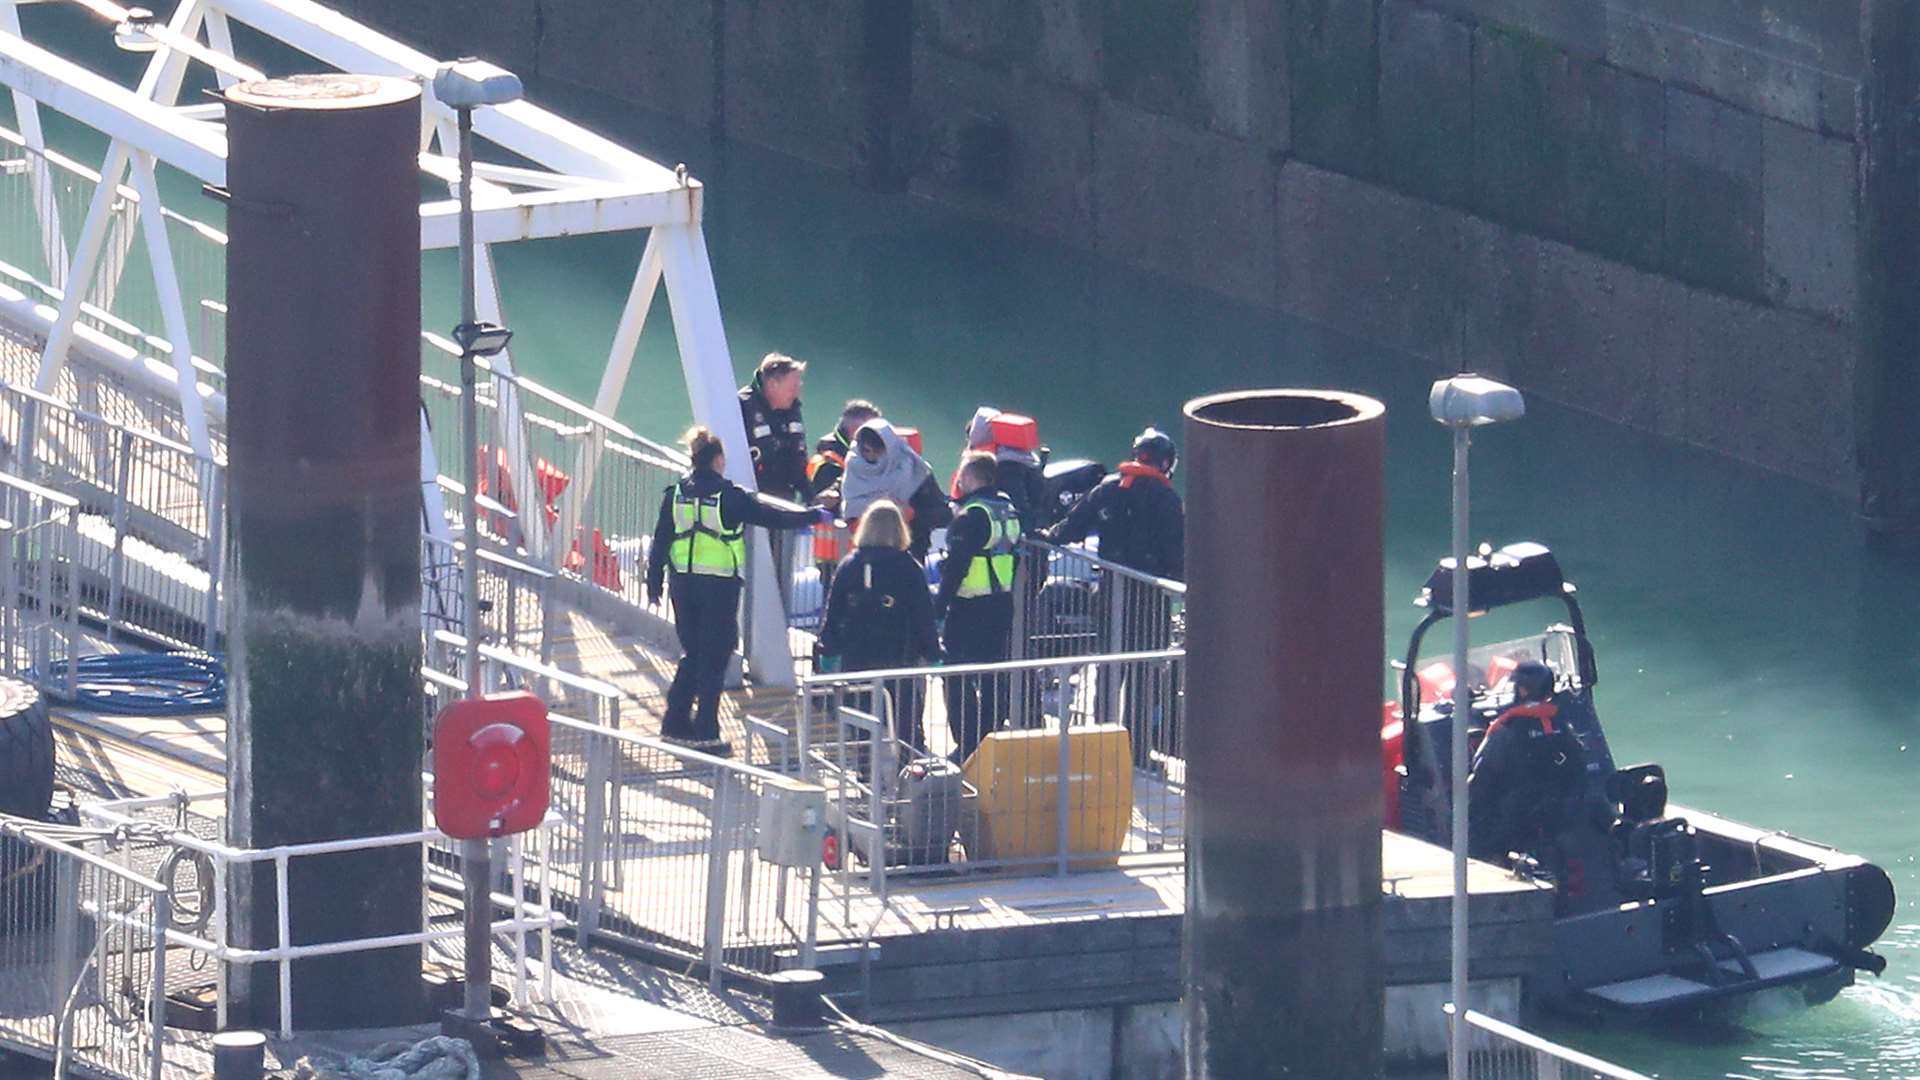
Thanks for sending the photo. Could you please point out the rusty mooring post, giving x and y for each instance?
(1284, 951)
(323, 408)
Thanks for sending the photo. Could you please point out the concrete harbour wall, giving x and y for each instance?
(1656, 212)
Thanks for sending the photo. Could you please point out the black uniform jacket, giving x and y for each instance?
(738, 506)
(778, 439)
(1142, 525)
(879, 613)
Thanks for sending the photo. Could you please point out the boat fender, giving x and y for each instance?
(1870, 906)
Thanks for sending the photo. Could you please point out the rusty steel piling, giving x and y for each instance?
(1283, 965)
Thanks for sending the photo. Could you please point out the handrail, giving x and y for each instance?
(1167, 584)
(1529, 1041)
(847, 678)
(683, 753)
(554, 397)
(60, 499)
(26, 832)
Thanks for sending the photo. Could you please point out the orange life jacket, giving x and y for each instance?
(1543, 711)
(1135, 470)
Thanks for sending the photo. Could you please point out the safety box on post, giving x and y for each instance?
(490, 765)
(792, 819)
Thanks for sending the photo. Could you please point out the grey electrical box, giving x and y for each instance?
(792, 824)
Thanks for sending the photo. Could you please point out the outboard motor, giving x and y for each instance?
(1068, 480)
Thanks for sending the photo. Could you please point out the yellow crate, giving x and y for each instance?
(1017, 776)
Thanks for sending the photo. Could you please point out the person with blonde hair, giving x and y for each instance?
(880, 613)
(701, 537)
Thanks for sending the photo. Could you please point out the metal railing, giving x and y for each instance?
(1068, 601)
(44, 198)
(1084, 605)
(705, 859)
(1501, 1051)
(83, 952)
(517, 607)
(525, 892)
(40, 583)
(1088, 765)
(150, 547)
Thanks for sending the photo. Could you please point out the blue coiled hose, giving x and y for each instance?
(147, 684)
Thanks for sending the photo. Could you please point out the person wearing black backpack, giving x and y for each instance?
(1527, 774)
(880, 615)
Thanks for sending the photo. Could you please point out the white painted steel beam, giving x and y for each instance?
(708, 366)
(613, 380)
(26, 111)
(536, 215)
(108, 107)
(172, 308)
(526, 129)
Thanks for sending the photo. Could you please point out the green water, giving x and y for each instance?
(1748, 639)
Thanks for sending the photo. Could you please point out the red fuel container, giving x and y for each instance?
(490, 765)
(1015, 432)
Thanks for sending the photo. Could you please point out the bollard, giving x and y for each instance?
(1283, 967)
(797, 1002)
(239, 1055)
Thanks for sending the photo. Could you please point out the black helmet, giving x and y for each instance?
(1533, 681)
(1155, 447)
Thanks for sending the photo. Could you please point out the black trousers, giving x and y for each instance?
(706, 616)
(979, 631)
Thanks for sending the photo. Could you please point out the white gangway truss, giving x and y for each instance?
(578, 183)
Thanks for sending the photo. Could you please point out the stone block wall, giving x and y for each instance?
(1647, 209)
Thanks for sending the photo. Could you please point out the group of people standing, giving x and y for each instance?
(880, 612)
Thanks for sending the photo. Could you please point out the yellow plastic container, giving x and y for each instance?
(1017, 774)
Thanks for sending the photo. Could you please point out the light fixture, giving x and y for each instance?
(468, 84)
(1469, 400)
(133, 34)
(481, 338)
(1462, 403)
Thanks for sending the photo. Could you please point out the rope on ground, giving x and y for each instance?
(145, 684)
(932, 1053)
(441, 1057)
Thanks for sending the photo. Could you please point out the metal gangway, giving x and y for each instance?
(113, 303)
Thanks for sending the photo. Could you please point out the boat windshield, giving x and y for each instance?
(1490, 667)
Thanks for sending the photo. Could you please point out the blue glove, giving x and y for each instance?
(823, 516)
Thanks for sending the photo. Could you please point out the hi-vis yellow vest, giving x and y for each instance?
(701, 543)
(991, 571)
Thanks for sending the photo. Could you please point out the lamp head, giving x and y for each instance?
(132, 34)
(482, 338)
(1469, 400)
(468, 84)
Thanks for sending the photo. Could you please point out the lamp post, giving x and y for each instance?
(1462, 403)
(465, 85)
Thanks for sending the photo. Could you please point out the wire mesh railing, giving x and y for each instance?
(83, 952)
(1501, 1051)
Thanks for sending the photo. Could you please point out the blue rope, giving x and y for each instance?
(147, 684)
